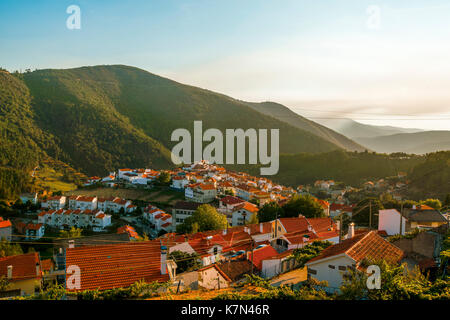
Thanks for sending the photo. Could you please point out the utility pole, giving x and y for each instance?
(401, 217)
(340, 228)
(370, 214)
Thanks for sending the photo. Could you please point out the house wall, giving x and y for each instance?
(26, 286)
(334, 277)
(390, 222)
(270, 268)
(208, 279)
(423, 243)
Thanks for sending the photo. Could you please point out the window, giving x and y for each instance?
(342, 268)
(312, 271)
(331, 266)
(215, 250)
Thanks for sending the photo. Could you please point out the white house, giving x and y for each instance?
(336, 260)
(179, 182)
(55, 202)
(242, 213)
(389, 220)
(61, 219)
(34, 231)
(82, 203)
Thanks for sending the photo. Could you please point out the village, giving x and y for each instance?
(218, 228)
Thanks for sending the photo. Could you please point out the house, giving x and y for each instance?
(22, 272)
(117, 266)
(182, 210)
(65, 219)
(245, 192)
(423, 216)
(55, 202)
(34, 231)
(32, 197)
(203, 193)
(222, 275)
(256, 256)
(228, 203)
(296, 232)
(83, 203)
(5, 229)
(334, 261)
(280, 263)
(212, 277)
(179, 182)
(243, 212)
(337, 209)
(389, 220)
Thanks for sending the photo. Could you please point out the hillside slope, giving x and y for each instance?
(354, 129)
(110, 116)
(418, 143)
(285, 114)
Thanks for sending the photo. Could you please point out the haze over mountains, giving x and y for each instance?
(388, 139)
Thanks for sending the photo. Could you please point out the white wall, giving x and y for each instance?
(325, 273)
(389, 220)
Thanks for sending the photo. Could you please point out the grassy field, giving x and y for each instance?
(48, 178)
(158, 196)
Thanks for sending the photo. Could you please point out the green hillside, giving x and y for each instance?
(349, 167)
(132, 113)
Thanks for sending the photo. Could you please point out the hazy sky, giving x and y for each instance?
(380, 62)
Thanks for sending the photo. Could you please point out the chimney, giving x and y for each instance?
(163, 259)
(71, 244)
(224, 232)
(414, 207)
(351, 230)
(38, 273)
(300, 215)
(261, 228)
(10, 269)
(338, 225)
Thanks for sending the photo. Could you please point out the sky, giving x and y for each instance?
(378, 62)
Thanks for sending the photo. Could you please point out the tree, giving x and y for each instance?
(269, 212)
(9, 249)
(206, 217)
(253, 219)
(185, 261)
(434, 203)
(72, 233)
(164, 178)
(303, 204)
(308, 252)
(397, 283)
(361, 212)
(447, 200)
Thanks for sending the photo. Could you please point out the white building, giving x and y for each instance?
(62, 219)
(336, 260)
(389, 221)
(55, 202)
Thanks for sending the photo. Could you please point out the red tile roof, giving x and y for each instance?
(365, 245)
(261, 254)
(24, 266)
(4, 223)
(118, 265)
(231, 200)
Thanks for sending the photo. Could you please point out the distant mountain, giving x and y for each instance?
(285, 114)
(418, 143)
(353, 129)
(96, 119)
